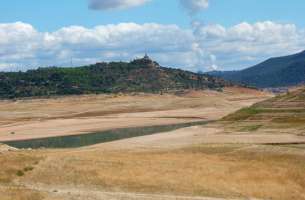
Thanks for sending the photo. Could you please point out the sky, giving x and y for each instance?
(194, 35)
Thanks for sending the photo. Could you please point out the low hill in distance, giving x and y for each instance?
(140, 75)
(275, 72)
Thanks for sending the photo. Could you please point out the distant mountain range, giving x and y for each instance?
(140, 75)
(274, 72)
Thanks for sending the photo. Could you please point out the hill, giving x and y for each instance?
(281, 114)
(274, 72)
(140, 75)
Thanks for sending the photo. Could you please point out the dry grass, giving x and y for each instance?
(14, 164)
(19, 193)
(204, 170)
(219, 170)
(281, 114)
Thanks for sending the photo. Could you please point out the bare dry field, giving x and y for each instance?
(38, 118)
(208, 162)
(221, 171)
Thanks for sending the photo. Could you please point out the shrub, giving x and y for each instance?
(30, 168)
(20, 173)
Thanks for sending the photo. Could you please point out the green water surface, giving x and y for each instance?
(74, 141)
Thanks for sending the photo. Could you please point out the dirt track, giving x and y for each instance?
(91, 194)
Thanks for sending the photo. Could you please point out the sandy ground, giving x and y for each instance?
(26, 119)
(198, 135)
(193, 163)
(5, 148)
(91, 194)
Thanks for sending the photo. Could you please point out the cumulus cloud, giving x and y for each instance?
(115, 4)
(22, 44)
(194, 6)
(245, 44)
(205, 47)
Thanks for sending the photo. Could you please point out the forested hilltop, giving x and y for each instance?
(141, 75)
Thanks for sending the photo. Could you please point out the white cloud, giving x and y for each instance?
(235, 45)
(203, 48)
(18, 41)
(21, 44)
(115, 4)
(194, 6)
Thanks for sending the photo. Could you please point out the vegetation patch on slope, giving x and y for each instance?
(142, 75)
(283, 111)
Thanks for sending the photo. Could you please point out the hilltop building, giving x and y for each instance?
(146, 57)
(146, 60)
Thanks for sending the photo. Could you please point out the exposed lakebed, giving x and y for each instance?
(74, 141)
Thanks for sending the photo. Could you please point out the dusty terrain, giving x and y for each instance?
(25, 119)
(222, 171)
(208, 134)
(209, 162)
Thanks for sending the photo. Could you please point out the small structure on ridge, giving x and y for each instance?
(146, 60)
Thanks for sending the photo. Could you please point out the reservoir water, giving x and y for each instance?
(73, 141)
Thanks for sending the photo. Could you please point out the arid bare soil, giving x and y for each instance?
(210, 162)
(26, 119)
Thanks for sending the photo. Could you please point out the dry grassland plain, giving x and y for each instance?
(208, 162)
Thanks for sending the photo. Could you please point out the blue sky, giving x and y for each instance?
(228, 34)
(49, 15)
